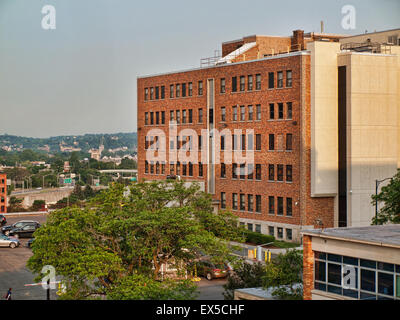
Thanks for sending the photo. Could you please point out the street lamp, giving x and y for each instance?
(47, 175)
(377, 183)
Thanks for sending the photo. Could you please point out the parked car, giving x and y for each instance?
(210, 270)
(3, 220)
(29, 243)
(8, 242)
(22, 229)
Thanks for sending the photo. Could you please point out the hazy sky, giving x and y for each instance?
(81, 77)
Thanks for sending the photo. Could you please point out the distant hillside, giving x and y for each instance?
(84, 142)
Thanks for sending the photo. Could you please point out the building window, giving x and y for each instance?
(250, 142)
(222, 144)
(223, 86)
(280, 233)
(250, 109)
(258, 203)
(157, 93)
(258, 171)
(280, 110)
(242, 83)
(157, 167)
(190, 91)
(250, 226)
(280, 206)
(234, 171)
(146, 118)
(171, 91)
(250, 82)
(271, 231)
(200, 88)
(289, 173)
(200, 115)
(234, 113)
(162, 117)
(151, 93)
(190, 169)
(146, 94)
(242, 203)
(250, 206)
(223, 200)
(223, 170)
(250, 169)
(289, 114)
(223, 114)
(242, 171)
(242, 113)
(270, 80)
(258, 107)
(183, 90)
(183, 116)
(289, 78)
(271, 172)
(200, 169)
(258, 81)
(289, 208)
(151, 118)
(258, 228)
(157, 117)
(280, 172)
(271, 111)
(289, 142)
(258, 142)
(162, 92)
(178, 91)
(280, 79)
(271, 205)
(178, 117)
(234, 84)
(146, 167)
(184, 169)
(171, 169)
(171, 115)
(271, 145)
(190, 116)
(234, 201)
(289, 234)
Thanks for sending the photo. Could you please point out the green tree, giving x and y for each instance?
(118, 242)
(390, 197)
(283, 274)
(246, 275)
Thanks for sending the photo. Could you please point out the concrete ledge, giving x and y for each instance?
(25, 213)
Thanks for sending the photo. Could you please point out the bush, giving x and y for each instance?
(258, 238)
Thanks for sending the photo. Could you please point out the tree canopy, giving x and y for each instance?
(115, 246)
(390, 197)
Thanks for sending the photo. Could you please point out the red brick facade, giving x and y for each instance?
(294, 194)
(3, 193)
(308, 268)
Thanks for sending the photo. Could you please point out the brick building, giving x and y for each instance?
(3, 193)
(285, 94)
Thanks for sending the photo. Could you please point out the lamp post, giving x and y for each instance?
(377, 183)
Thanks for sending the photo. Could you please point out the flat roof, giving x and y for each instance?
(385, 235)
(277, 56)
(375, 32)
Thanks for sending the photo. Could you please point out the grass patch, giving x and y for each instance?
(285, 245)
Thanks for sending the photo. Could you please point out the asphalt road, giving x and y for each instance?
(211, 290)
(13, 271)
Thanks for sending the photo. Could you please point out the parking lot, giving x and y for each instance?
(13, 271)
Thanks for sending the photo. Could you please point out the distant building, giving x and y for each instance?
(352, 263)
(3, 193)
(67, 167)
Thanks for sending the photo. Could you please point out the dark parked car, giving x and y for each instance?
(3, 220)
(210, 270)
(21, 229)
(29, 243)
